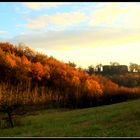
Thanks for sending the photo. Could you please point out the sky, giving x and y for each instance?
(86, 33)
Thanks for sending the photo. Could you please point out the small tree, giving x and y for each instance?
(9, 101)
(72, 64)
(133, 67)
(91, 69)
(98, 67)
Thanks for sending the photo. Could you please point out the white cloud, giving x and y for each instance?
(107, 15)
(124, 15)
(119, 14)
(41, 5)
(67, 40)
(110, 30)
(86, 47)
(3, 32)
(60, 20)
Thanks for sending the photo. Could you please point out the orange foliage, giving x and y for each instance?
(37, 70)
(24, 60)
(66, 82)
(7, 47)
(110, 87)
(75, 81)
(46, 71)
(10, 62)
(93, 88)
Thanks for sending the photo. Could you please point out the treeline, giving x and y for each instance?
(113, 68)
(123, 75)
(28, 77)
(126, 79)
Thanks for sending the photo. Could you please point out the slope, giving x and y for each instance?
(116, 120)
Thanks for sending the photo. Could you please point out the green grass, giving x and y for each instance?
(116, 120)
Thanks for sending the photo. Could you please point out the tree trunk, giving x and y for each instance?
(10, 118)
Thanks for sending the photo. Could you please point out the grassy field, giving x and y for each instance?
(116, 120)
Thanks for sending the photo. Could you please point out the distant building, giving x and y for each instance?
(109, 69)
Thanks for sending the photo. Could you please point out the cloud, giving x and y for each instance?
(59, 20)
(42, 5)
(107, 15)
(106, 32)
(68, 40)
(123, 15)
(3, 32)
(119, 14)
(85, 47)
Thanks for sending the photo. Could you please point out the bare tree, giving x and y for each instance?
(98, 67)
(114, 64)
(9, 101)
(134, 67)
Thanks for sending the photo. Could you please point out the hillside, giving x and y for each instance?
(121, 119)
(36, 79)
(30, 79)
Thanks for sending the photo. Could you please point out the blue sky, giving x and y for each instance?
(85, 33)
(15, 15)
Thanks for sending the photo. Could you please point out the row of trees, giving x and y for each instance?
(117, 73)
(126, 79)
(29, 69)
(99, 68)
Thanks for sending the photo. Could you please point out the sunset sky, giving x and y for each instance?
(82, 32)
